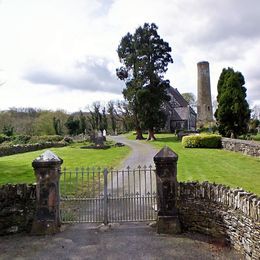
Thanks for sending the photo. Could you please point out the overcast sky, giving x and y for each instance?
(61, 54)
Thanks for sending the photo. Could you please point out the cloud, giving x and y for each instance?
(222, 20)
(226, 33)
(92, 75)
(253, 92)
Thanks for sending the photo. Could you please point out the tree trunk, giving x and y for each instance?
(151, 136)
(139, 134)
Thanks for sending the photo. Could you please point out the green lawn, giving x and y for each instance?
(256, 137)
(213, 165)
(18, 169)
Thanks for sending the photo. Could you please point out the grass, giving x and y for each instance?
(17, 168)
(213, 165)
(256, 137)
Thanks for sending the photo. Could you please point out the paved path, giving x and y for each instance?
(126, 241)
(142, 152)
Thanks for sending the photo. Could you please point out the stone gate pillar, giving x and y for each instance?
(47, 172)
(166, 178)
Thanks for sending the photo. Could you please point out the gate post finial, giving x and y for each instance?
(166, 178)
(47, 172)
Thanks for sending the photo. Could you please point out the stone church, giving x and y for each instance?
(180, 116)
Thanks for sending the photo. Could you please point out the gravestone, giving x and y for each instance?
(99, 140)
(104, 135)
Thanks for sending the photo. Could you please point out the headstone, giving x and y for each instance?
(93, 137)
(99, 140)
(100, 134)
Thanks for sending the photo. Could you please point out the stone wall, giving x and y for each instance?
(232, 215)
(246, 147)
(14, 149)
(17, 208)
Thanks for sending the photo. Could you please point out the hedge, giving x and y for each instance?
(24, 148)
(202, 141)
(28, 139)
(4, 138)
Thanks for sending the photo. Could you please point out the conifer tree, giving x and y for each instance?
(233, 111)
(145, 57)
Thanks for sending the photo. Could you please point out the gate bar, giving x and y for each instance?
(105, 198)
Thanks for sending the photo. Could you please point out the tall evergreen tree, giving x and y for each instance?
(233, 111)
(145, 57)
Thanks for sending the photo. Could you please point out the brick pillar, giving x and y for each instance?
(47, 172)
(166, 178)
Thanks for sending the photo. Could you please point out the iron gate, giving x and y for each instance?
(95, 195)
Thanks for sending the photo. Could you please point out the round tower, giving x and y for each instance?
(204, 103)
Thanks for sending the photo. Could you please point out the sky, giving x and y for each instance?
(61, 54)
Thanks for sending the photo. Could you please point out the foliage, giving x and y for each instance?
(151, 115)
(57, 126)
(73, 125)
(30, 121)
(202, 141)
(43, 124)
(82, 123)
(124, 116)
(4, 138)
(190, 98)
(95, 117)
(8, 130)
(21, 139)
(68, 139)
(103, 123)
(46, 138)
(27, 139)
(253, 126)
(233, 112)
(145, 57)
(112, 114)
(209, 127)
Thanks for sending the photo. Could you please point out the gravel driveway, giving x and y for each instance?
(142, 152)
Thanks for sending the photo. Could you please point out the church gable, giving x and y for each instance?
(180, 116)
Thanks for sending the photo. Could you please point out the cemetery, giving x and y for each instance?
(159, 173)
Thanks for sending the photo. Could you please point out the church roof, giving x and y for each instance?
(178, 105)
(178, 99)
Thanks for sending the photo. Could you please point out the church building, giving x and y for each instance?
(180, 116)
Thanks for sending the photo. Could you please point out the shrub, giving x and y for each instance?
(46, 138)
(4, 138)
(8, 130)
(68, 140)
(21, 139)
(202, 141)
